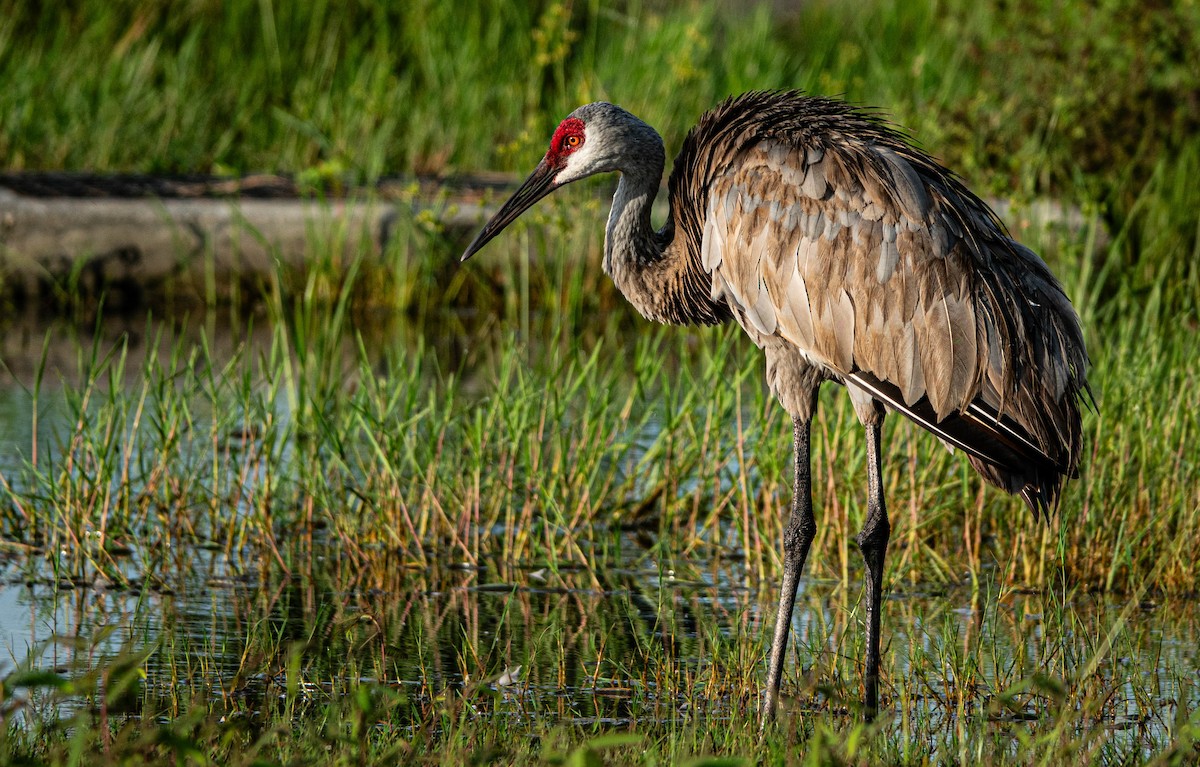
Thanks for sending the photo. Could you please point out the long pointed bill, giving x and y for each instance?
(539, 184)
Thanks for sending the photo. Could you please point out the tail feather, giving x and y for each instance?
(999, 448)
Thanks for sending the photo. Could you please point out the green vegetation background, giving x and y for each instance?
(1095, 106)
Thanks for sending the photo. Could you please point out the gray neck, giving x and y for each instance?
(629, 239)
(655, 271)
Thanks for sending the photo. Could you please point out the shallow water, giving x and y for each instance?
(629, 640)
(630, 637)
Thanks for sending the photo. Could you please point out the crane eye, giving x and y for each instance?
(573, 141)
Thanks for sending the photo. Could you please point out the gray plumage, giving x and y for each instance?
(846, 254)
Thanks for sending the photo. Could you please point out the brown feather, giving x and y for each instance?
(830, 232)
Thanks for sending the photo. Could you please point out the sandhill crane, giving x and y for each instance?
(846, 255)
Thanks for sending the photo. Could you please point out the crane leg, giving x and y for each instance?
(797, 538)
(873, 541)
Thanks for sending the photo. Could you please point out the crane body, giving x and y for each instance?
(846, 255)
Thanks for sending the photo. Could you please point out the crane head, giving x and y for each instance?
(568, 138)
(589, 141)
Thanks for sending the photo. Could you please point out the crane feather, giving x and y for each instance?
(872, 260)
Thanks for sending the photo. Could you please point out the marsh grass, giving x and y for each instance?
(552, 435)
(328, 433)
(326, 466)
(336, 450)
(671, 430)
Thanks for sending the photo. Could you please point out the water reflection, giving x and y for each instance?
(630, 640)
(582, 638)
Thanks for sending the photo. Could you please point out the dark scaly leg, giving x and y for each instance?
(797, 538)
(873, 541)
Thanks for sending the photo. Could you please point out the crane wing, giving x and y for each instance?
(822, 227)
(849, 259)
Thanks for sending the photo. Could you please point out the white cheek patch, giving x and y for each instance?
(578, 162)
